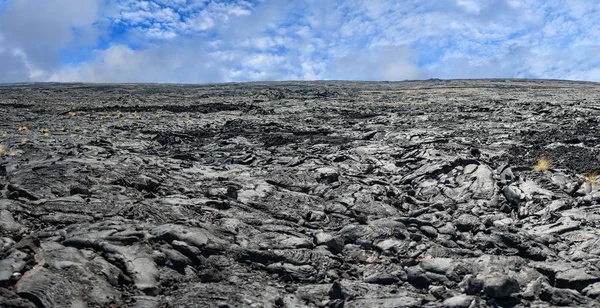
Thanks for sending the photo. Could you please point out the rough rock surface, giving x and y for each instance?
(327, 194)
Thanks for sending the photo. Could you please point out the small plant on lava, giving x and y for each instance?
(543, 164)
(591, 177)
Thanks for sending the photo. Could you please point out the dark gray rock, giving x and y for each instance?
(443, 266)
(46, 289)
(6, 243)
(79, 190)
(338, 291)
(459, 301)
(429, 231)
(418, 278)
(384, 279)
(474, 286)
(192, 236)
(144, 301)
(576, 279)
(10, 299)
(13, 263)
(513, 194)
(8, 224)
(499, 285)
(290, 272)
(484, 185)
(441, 292)
(592, 290)
(335, 244)
(532, 291)
(406, 301)
(448, 228)
(21, 192)
(467, 222)
(562, 297)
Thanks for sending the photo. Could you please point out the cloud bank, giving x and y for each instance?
(201, 41)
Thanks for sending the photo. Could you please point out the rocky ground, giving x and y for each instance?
(326, 194)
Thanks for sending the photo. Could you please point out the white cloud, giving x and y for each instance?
(14, 68)
(120, 63)
(237, 40)
(38, 30)
(380, 63)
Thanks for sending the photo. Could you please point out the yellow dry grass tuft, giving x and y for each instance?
(23, 141)
(71, 113)
(23, 128)
(2, 150)
(591, 177)
(158, 116)
(45, 131)
(543, 164)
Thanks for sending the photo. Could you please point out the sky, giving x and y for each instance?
(213, 41)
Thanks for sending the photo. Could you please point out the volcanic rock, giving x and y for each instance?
(300, 194)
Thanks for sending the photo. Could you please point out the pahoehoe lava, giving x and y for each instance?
(300, 194)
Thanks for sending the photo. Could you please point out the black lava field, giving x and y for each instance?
(437, 193)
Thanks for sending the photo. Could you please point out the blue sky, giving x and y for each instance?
(202, 41)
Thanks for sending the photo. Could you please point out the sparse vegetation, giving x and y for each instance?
(2, 150)
(23, 128)
(543, 164)
(591, 177)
